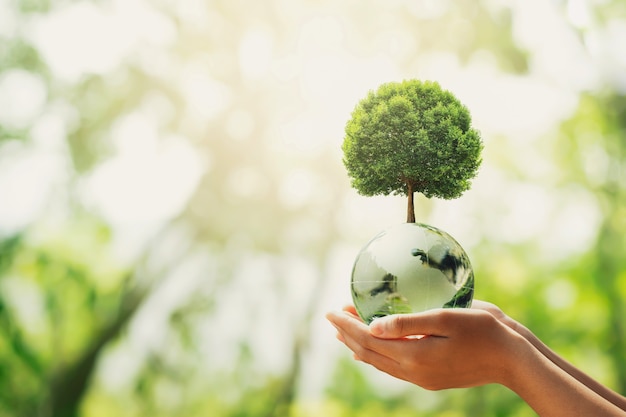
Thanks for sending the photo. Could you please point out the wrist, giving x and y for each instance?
(520, 357)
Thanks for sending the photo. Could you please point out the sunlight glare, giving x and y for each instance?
(84, 38)
(149, 181)
(22, 98)
(27, 177)
(80, 39)
(205, 96)
(255, 53)
(8, 20)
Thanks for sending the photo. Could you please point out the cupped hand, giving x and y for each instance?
(455, 348)
(437, 349)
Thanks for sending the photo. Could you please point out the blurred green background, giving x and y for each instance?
(175, 218)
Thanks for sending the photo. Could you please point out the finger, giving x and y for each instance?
(392, 356)
(437, 322)
(357, 336)
(364, 354)
(350, 309)
(484, 305)
(481, 304)
(348, 324)
(344, 319)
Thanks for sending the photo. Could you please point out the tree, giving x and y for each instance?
(408, 137)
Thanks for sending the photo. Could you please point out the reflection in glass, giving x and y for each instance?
(409, 268)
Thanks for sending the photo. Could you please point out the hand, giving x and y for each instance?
(495, 311)
(455, 348)
(459, 347)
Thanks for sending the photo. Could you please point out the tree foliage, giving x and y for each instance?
(411, 136)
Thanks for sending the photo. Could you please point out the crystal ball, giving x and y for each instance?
(411, 267)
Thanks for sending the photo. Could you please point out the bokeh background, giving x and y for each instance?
(175, 218)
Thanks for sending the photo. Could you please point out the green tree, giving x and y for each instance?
(408, 137)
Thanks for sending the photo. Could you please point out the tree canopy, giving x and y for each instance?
(411, 136)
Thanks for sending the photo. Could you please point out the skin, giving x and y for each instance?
(461, 348)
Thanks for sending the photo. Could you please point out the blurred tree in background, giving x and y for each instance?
(175, 218)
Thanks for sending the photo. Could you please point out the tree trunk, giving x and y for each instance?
(410, 211)
(71, 383)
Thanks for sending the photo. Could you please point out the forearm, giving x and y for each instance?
(576, 373)
(551, 390)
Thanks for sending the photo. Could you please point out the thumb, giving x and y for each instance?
(396, 326)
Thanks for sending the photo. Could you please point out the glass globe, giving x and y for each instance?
(411, 267)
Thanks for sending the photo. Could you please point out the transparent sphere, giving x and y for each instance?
(411, 267)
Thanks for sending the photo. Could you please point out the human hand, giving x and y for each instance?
(491, 308)
(437, 349)
(455, 348)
